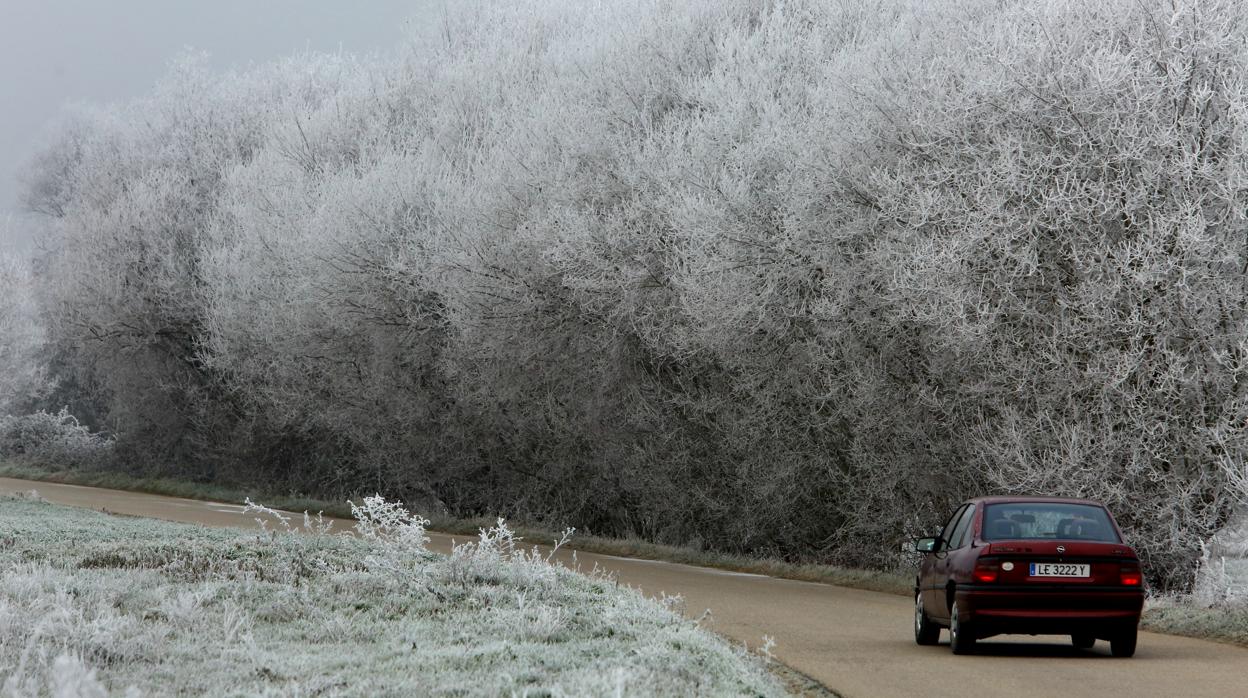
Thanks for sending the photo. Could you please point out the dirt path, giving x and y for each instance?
(858, 643)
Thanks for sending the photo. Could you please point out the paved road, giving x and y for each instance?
(858, 643)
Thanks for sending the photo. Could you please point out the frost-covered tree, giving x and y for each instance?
(123, 283)
(1055, 226)
(773, 277)
(22, 338)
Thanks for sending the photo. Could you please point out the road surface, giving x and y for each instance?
(858, 643)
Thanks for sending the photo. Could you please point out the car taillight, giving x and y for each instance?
(1130, 576)
(985, 573)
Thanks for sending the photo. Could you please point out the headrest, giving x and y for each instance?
(1084, 528)
(1001, 529)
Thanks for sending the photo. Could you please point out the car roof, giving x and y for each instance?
(1018, 499)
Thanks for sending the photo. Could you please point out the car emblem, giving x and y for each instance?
(1061, 548)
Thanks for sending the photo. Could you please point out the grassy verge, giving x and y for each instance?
(92, 603)
(1223, 622)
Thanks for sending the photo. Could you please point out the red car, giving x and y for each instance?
(1029, 565)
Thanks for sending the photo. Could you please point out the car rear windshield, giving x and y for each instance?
(1047, 521)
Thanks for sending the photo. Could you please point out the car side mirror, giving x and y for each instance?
(926, 545)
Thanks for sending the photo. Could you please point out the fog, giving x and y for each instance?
(55, 53)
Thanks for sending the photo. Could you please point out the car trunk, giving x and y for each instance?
(1039, 562)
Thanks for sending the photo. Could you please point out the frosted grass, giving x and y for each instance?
(92, 604)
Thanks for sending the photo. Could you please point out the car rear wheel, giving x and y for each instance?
(925, 631)
(1083, 642)
(961, 635)
(1123, 644)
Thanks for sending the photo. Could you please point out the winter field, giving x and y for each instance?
(770, 285)
(94, 605)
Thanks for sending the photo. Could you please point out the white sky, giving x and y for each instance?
(58, 52)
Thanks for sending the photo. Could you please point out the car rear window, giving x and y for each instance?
(1047, 521)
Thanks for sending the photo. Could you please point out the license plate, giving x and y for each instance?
(1059, 569)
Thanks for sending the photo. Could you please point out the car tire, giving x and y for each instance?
(1123, 644)
(1083, 641)
(961, 634)
(925, 631)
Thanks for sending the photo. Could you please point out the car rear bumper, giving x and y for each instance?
(1032, 609)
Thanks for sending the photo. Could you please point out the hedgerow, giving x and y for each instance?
(779, 278)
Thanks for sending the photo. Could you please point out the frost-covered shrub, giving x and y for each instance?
(497, 556)
(390, 523)
(57, 440)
